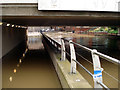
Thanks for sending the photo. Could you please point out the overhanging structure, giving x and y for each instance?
(27, 14)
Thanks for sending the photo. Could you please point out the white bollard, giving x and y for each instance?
(63, 54)
(73, 57)
(97, 69)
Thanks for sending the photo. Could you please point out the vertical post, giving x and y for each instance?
(97, 69)
(63, 54)
(73, 57)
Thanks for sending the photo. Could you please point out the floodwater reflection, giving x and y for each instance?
(34, 42)
(29, 68)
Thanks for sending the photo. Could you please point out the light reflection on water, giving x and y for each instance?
(33, 68)
(34, 43)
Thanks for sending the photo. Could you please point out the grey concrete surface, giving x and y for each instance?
(28, 14)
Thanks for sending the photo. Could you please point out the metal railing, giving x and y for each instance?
(97, 76)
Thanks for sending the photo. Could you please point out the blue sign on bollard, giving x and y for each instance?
(97, 74)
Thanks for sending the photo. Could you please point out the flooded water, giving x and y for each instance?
(109, 45)
(35, 70)
(34, 43)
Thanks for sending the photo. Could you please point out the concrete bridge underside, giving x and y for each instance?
(28, 15)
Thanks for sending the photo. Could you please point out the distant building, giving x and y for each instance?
(77, 29)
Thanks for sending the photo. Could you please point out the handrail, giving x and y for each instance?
(106, 57)
(84, 68)
(51, 39)
(102, 84)
(95, 56)
(89, 50)
(110, 59)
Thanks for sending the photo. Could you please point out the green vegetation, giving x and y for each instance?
(109, 30)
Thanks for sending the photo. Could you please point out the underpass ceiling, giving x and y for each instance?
(62, 20)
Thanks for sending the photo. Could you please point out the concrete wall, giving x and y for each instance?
(0, 57)
(11, 37)
(0, 42)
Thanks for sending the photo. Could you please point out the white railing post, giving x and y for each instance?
(97, 77)
(73, 57)
(63, 54)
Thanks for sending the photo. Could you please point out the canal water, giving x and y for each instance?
(35, 70)
(109, 45)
